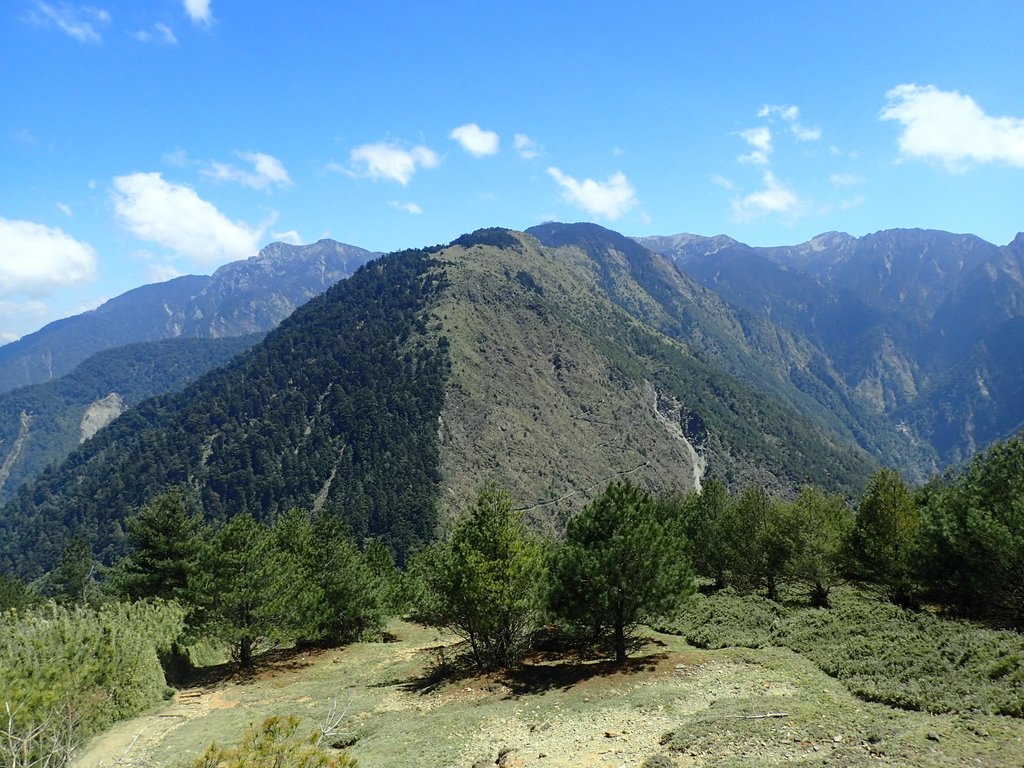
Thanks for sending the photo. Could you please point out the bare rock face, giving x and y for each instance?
(101, 413)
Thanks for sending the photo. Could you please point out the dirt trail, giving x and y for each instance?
(130, 744)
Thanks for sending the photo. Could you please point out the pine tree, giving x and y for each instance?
(884, 542)
(620, 565)
(164, 541)
(486, 582)
(819, 526)
(245, 588)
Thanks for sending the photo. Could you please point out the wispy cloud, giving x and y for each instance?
(161, 273)
(20, 313)
(407, 207)
(266, 171)
(845, 179)
(174, 216)
(37, 260)
(724, 183)
(199, 11)
(292, 236)
(773, 197)
(387, 161)
(608, 199)
(791, 116)
(950, 128)
(65, 209)
(760, 141)
(80, 22)
(161, 34)
(476, 140)
(526, 147)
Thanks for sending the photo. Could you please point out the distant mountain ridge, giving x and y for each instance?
(905, 317)
(243, 297)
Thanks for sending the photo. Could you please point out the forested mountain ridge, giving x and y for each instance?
(40, 424)
(907, 319)
(394, 395)
(242, 297)
(336, 409)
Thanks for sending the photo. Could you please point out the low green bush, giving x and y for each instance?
(277, 743)
(883, 653)
(77, 670)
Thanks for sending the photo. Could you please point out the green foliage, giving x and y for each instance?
(620, 565)
(709, 526)
(973, 532)
(80, 669)
(762, 541)
(884, 544)
(819, 526)
(245, 588)
(16, 595)
(880, 651)
(340, 597)
(486, 581)
(164, 541)
(275, 743)
(75, 580)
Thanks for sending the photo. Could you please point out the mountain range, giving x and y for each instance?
(554, 360)
(919, 325)
(243, 297)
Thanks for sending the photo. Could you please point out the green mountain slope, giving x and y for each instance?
(556, 388)
(42, 423)
(335, 409)
(763, 354)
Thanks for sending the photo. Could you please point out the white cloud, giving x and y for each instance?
(23, 310)
(791, 115)
(78, 22)
(292, 236)
(161, 273)
(525, 146)
(949, 127)
(609, 199)
(65, 209)
(775, 197)
(724, 183)
(199, 11)
(760, 141)
(37, 260)
(407, 207)
(388, 161)
(164, 34)
(267, 170)
(845, 179)
(476, 140)
(174, 216)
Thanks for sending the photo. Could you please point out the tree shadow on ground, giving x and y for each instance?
(557, 664)
(267, 664)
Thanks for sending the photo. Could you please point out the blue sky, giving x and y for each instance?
(140, 140)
